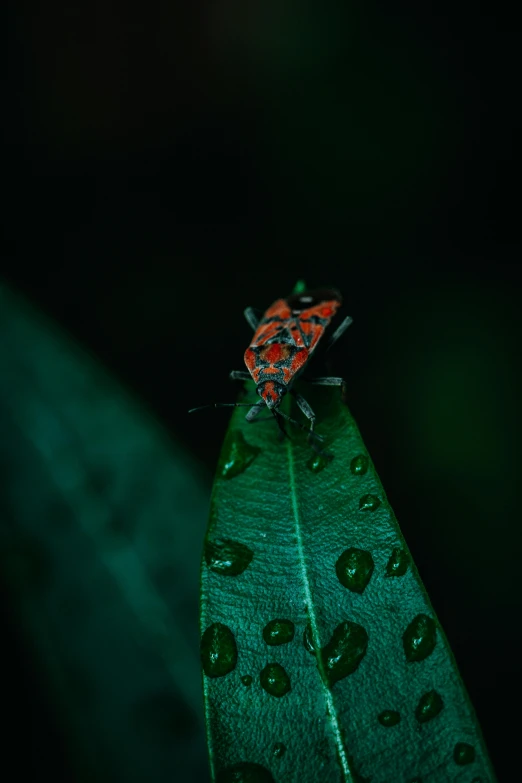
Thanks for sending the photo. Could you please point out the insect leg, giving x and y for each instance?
(240, 375)
(326, 381)
(305, 407)
(251, 317)
(339, 332)
(311, 434)
(329, 381)
(254, 410)
(310, 415)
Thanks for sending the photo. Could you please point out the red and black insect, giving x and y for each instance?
(285, 338)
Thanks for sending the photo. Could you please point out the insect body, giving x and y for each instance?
(284, 340)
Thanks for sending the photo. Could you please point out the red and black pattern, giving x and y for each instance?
(285, 339)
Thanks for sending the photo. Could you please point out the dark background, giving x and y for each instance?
(167, 164)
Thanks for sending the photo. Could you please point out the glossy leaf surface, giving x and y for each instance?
(366, 687)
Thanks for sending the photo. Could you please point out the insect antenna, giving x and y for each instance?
(223, 405)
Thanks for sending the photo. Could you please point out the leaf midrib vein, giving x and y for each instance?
(332, 710)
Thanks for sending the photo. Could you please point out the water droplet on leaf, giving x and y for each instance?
(245, 772)
(317, 462)
(419, 638)
(369, 503)
(463, 753)
(359, 465)
(239, 454)
(218, 650)
(354, 569)
(246, 679)
(389, 718)
(226, 557)
(398, 563)
(275, 680)
(279, 750)
(345, 651)
(429, 706)
(278, 632)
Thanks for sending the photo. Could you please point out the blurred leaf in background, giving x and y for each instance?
(102, 519)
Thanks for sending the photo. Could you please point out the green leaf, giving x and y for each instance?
(101, 522)
(363, 685)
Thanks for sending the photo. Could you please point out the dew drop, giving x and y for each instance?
(398, 563)
(245, 772)
(246, 679)
(278, 632)
(419, 638)
(463, 753)
(389, 718)
(369, 503)
(279, 750)
(354, 569)
(308, 640)
(359, 465)
(238, 455)
(429, 706)
(218, 650)
(275, 680)
(345, 651)
(317, 462)
(226, 557)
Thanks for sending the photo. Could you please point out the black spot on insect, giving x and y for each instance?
(282, 336)
(315, 319)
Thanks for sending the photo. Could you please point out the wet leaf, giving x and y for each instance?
(366, 688)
